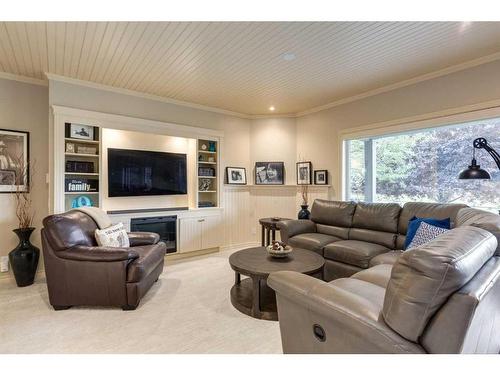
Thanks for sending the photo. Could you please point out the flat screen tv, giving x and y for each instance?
(140, 173)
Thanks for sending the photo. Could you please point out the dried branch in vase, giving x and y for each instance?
(24, 205)
(304, 191)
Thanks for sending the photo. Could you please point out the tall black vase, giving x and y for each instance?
(24, 258)
(304, 212)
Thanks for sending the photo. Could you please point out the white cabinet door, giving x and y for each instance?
(190, 234)
(211, 233)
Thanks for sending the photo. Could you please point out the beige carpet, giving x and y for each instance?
(187, 311)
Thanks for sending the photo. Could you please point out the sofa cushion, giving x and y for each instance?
(381, 238)
(356, 253)
(312, 241)
(331, 230)
(425, 233)
(334, 213)
(480, 219)
(422, 280)
(387, 258)
(377, 216)
(378, 275)
(415, 222)
(427, 210)
(149, 258)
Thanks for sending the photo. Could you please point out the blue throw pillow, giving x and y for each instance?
(414, 223)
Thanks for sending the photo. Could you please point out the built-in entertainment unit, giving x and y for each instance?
(140, 173)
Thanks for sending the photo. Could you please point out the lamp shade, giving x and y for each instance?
(474, 172)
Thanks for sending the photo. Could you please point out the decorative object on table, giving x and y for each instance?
(211, 146)
(425, 233)
(211, 159)
(206, 171)
(278, 249)
(81, 185)
(474, 171)
(24, 258)
(204, 184)
(276, 218)
(204, 147)
(74, 166)
(304, 173)
(14, 161)
(269, 173)
(70, 148)
(304, 213)
(88, 150)
(321, 177)
(81, 201)
(236, 176)
(79, 131)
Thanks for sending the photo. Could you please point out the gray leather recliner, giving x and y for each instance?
(443, 297)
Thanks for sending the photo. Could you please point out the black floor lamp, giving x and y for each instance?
(474, 171)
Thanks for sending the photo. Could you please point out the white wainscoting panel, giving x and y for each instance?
(245, 205)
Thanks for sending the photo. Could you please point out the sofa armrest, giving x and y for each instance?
(143, 238)
(351, 322)
(290, 228)
(98, 254)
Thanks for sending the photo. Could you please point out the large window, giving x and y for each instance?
(423, 165)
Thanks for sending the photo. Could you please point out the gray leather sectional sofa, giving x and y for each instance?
(443, 297)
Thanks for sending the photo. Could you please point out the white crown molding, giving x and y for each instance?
(24, 79)
(118, 90)
(401, 84)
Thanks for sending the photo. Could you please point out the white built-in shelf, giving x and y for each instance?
(81, 140)
(207, 162)
(80, 174)
(80, 192)
(207, 191)
(207, 177)
(79, 154)
(207, 152)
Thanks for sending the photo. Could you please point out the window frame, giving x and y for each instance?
(402, 126)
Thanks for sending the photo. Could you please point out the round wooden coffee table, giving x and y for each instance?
(252, 296)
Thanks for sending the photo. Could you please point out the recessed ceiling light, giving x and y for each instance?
(289, 56)
(271, 108)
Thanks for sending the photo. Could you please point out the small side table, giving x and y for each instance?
(269, 227)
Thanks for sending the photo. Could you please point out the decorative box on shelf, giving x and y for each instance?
(83, 185)
(206, 171)
(80, 166)
(90, 150)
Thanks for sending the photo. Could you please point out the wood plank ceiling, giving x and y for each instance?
(240, 66)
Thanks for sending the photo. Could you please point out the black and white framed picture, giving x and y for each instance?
(14, 161)
(236, 176)
(304, 173)
(269, 173)
(79, 131)
(321, 177)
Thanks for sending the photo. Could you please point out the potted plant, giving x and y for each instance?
(304, 213)
(24, 258)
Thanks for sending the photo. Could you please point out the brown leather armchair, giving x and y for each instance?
(79, 272)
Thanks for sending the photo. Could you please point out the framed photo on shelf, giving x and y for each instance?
(304, 173)
(269, 173)
(70, 148)
(236, 176)
(79, 131)
(321, 177)
(14, 161)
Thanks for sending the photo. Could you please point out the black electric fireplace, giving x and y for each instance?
(165, 226)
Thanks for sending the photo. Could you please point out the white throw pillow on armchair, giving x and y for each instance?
(113, 236)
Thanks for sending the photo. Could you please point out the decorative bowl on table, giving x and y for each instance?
(278, 249)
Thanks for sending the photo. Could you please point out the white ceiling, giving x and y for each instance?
(239, 66)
